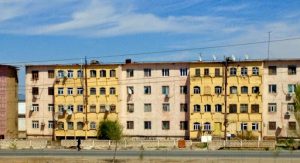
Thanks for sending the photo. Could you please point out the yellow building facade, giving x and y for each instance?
(78, 114)
(207, 99)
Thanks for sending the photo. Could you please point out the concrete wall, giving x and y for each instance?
(156, 99)
(281, 79)
(42, 99)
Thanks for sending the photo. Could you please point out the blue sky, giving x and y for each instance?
(59, 29)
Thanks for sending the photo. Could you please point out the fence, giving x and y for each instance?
(217, 144)
(23, 144)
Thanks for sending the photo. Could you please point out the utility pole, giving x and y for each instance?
(85, 97)
(269, 39)
(227, 59)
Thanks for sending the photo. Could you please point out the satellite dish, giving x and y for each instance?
(233, 57)
(31, 108)
(214, 57)
(200, 57)
(130, 91)
(246, 57)
(107, 108)
(69, 112)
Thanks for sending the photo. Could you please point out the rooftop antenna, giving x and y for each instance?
(269, 45)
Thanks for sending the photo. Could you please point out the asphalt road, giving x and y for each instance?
(152, 154)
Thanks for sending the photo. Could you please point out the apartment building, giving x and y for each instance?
(8, 102)
(154, 100)
(280, 79)
(207, 99)
(39, 101)
(83, 97)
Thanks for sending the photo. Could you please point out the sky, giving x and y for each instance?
(40, 30)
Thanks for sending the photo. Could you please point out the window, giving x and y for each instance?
(80, 125)
(244, 108)
(129, 73)
(218, 108)
(147, 72)
(102, 109)
(165, 90)
(35, 90)
(197, 126)
(61, 108)
(292, 125)
(207, 126)
(233, 71)
(50, 124)
(79, 74)
(50, 91)
(272, 70)
(130, 125)
(93, 125)
(206, 72)
(70, 91)
(35, 75)
(165, 72)
(50, 107)
(272, 125)
(217, 72)
(254, 126)
(165, 125)
(93, 73)
(112, 91)
(102, 91)
(112, 108)
(244, 126)
(291, 107)
(244, 71)
(92, 91)
(147, 108)
(244, 90)
(291, 88)
(183, 125)
(112, 73)
(183, 89)
(70, 74)
(183, 72)
(183, 107)
(35, 107)
(60, 91)
(35, 124)
(93, 108)
(130, 108)
(102, 73)
(79, 91)
(232, 108)
(71, 107)
(255, 71)
(196, 90)
(50, 73)
(70, 126)
(255, 90)
(147, 90)
(147, 125)
(218, 90)
(272, 107)
(292, 69)
(207, 108)
(80, 108)
(60, 74)
(254, 108)
(60, 125)
(166, 107)
(272, 88)
(197, 108)
(197, 72)
(130, 90)
(233, 90)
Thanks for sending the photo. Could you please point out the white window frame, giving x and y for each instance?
(165, 72)
(272, 107)
(183, 71)
(60, 91)
(255, 71)
(70, 91)
(244, 71)
(197, 126)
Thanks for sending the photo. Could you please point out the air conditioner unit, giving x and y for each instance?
(289, 95)
(167, 95)
(43, 123)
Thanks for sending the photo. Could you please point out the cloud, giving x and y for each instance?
(231, 8)
(8, 9)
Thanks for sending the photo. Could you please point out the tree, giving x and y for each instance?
(297, 104)
(110, 130)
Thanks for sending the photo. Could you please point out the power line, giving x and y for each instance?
(162, 51)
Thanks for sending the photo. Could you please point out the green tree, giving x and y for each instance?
(110, 130)
(297, 98)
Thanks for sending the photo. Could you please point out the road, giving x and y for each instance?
(151, 154)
